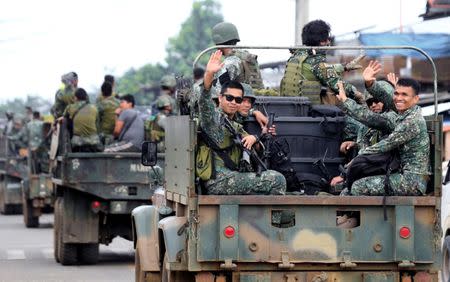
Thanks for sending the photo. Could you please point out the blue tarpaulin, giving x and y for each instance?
(437, 45)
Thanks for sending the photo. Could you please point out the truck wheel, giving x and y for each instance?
(56, 229)
(67, 251)
(28, 218)
(446, 260)
(144, 276)
(175, 276)
(88, 253)
(8, 209)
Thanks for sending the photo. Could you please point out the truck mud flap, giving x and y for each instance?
(145, 236)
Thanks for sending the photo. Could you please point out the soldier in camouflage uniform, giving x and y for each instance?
(32, 136)
(155, 126)
(107, 106)
(408, 135)
(215, 170)
(168, 87)
(65, 95)
(307, 73)
(239, 65)
(84, 119)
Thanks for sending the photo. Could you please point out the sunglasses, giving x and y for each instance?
(230, 98)
(371, 101)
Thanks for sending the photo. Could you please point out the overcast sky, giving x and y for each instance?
(40, 40)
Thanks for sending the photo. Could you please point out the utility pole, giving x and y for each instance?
(301, 18)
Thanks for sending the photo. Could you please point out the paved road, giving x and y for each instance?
(27, 255)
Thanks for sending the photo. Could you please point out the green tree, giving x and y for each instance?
(194, 36)
(17, 105)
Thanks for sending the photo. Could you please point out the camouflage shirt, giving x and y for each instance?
(63, 97)
(407, 133)
(328, 74)
(211, 120)
(383, 91)
(106, 114)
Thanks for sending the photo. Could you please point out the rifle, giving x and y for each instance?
(267, 140)
(183, 94)
(237, 138)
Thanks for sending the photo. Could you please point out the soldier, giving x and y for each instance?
(307, 73)
(246, 108)
(107, 106)
(129, 127)
(9, 123)
(218, 156)
(168, 87)
(156, 125)
(239, 65)
(408, 135)
(65, 95)
(110, 79)
(83, 119)
(17, 137)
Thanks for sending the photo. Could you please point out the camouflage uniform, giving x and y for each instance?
(107, 118)
(84, 124)
(226, 181)
(307, 73)
(408, 134)
(383, 91)
(351, 129)
(63, 97)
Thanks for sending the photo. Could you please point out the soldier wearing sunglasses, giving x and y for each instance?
(218, 158)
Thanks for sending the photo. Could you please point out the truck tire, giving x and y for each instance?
(56, 228)
(144, 276)
(28, 218)
(9, 209)
(175, 276)
(446, 259)
(88, 253)
(67, 251)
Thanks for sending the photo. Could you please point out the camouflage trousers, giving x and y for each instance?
(228, 182)
(406, 184)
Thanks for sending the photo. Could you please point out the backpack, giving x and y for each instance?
(252, 74)
(374, 164)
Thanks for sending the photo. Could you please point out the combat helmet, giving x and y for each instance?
(168, 81)
(248, 92)
(224, 32)
(162, 102)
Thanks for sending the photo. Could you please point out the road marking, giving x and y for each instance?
(47, 253)
(15, 254)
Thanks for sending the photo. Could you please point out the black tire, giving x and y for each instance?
(88, 253)
(56, 229)
(28, 218)
(178, 276)
(9, 209)
(144, 276)
(446, 260)
(67, 251)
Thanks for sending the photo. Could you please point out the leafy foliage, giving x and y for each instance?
(194, 36)
(17, 106)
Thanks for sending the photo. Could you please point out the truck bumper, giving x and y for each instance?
(13, 193)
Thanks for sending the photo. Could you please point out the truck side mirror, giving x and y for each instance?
(149, 155)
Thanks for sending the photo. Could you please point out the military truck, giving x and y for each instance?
(189, 236)
(37, 187)
(95, 194)
(12, 172)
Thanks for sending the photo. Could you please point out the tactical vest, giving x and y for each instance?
(206, 159)
(299, 80)
(251, 73)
